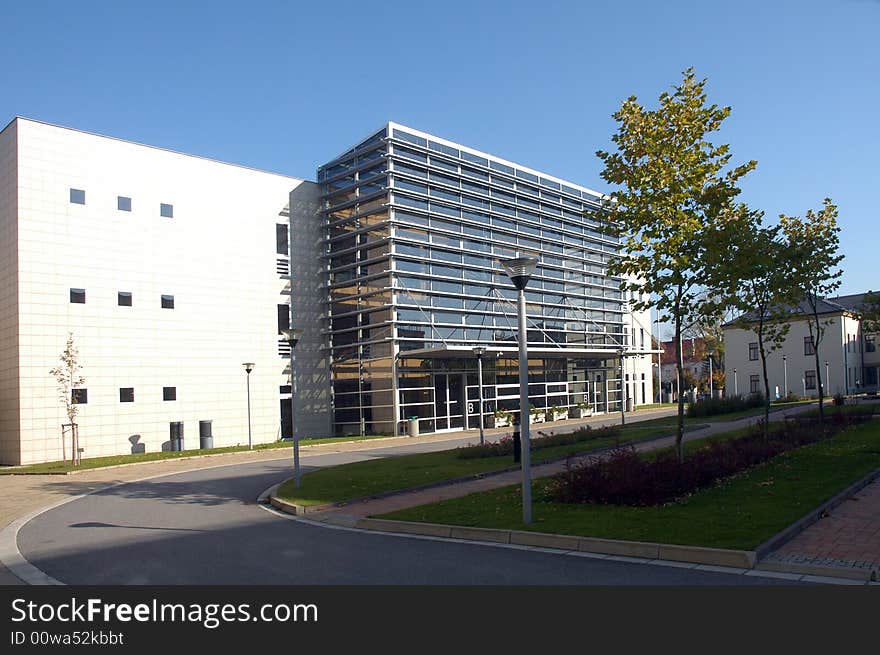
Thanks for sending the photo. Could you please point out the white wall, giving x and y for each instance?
(832, 349)
(9, 412)
(216, 256)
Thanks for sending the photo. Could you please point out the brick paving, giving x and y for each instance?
(847, 537)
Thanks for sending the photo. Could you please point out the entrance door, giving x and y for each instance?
(449, 402)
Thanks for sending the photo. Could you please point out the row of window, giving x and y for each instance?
(124, 298)
(126, 395)
(869, 347)
(123, 203)
(809, 382)
(809, 349)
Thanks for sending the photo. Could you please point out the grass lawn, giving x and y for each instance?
(360, 479)
(741, 512)
(859, 408)
(115, 460)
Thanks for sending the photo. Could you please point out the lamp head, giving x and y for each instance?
(292, 336)
(479, 351)
(248, 366)
(520, 270)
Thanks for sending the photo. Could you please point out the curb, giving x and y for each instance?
(813, 516)
(650, 551)
(865, 575)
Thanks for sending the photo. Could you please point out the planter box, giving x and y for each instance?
(497, 422)
(557, 415)
(577, 412)
(537, 418)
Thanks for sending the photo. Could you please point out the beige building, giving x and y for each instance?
(848, 355)
(169, 270)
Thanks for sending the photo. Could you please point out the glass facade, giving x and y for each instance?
(416, 228)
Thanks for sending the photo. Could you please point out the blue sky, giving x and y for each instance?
(284, 86)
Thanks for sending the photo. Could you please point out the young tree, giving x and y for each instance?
(752, 268)
(68, 377)
(868, 312)
(813, 242)
(672, 190)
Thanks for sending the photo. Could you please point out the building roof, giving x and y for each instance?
(825, 306)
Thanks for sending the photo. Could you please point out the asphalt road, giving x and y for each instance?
(205, 527)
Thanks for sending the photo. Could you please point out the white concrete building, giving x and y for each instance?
(164, 268)
(848, 356)
(172, 270)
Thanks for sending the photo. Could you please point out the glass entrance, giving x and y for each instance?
(449, 400)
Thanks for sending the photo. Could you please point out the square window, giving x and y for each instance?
(78, 296)
(169, 393)
(166, 210)
(77, 196)
(126, 394)
(754, 382)
(123, 204)
(79, 396)
(124, 298)
(808, 346)
(167, 302)
(809, 379)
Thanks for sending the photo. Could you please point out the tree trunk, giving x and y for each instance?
(679, 364)
(816, 338)
(766, 381)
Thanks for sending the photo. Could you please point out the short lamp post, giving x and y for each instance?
(479, 352)
(735, 384)
(659, 381)
(784, 376)
(248, 367)
(827, 381)
(622, 389)
(711, 388)
(520, 270)
(292, 336)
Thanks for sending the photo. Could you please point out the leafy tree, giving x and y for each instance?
(672, 190)
(868, 312)
(68, 378)
(751, 267)
(814, 242)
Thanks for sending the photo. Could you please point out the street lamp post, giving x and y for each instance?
(519, 270)
(784, 376)
(479, 351)
(735, 385)
(711, 388)
(827, 381)
(292, 336)
(622, 390)
(248, 367)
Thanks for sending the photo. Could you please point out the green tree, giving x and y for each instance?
(674, 186)
(868, 312)
(67, 376)
(751, 268)
(814, 243)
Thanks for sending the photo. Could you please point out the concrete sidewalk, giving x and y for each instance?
(21, 495)
(350, 514)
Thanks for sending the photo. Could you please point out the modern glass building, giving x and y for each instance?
(416, 227)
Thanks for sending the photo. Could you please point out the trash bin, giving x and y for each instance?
(413, 426)
(629, 404)
(206, 439)
(177, 435)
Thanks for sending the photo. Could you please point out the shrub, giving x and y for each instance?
(626, 478)
(504, 446)
(713, 406)
(839, 400)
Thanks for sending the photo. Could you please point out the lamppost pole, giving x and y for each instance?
(827, 381)
(479, 351)
(519, 271)
(711, 387)
(292, 337)
(622, 391)
(248, 367)
(735, 385)
(785, 376)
